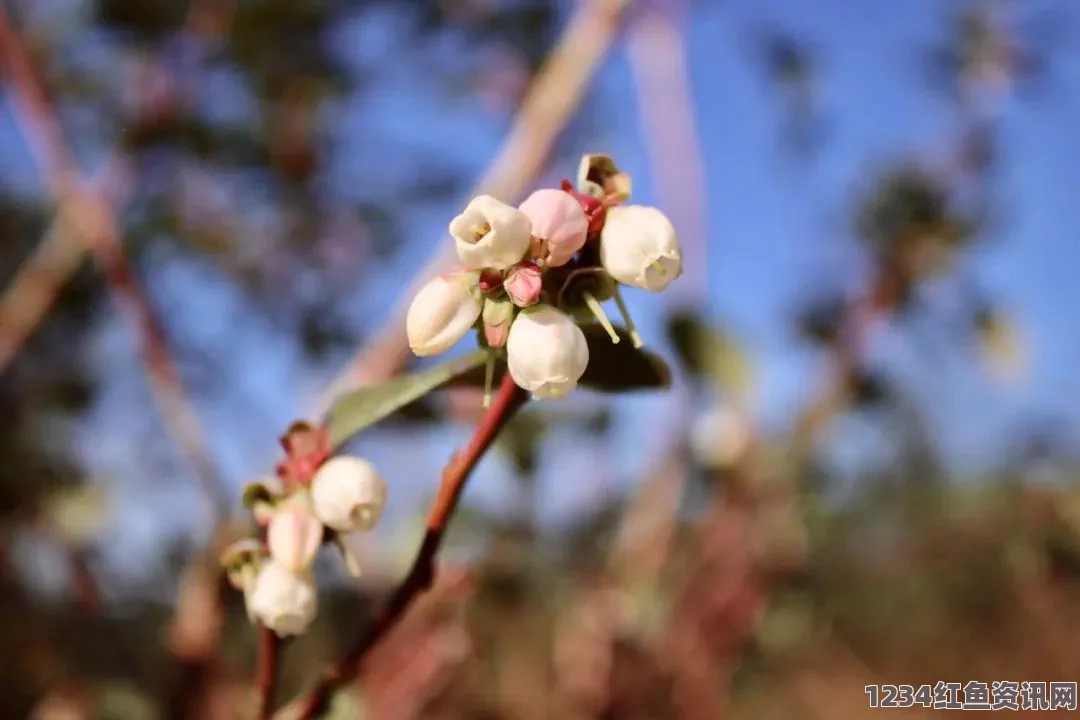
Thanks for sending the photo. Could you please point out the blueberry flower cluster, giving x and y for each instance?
(322, 500)
(530, 275)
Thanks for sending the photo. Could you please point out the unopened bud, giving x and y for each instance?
(498, 315)
(523, 284)
(442, 312)
(294, 534)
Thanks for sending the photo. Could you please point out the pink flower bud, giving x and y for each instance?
(294, 535)
(498, 314)
(523, 284)
(559, 221)
(495, 335)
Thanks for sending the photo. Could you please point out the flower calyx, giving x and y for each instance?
(306, 448)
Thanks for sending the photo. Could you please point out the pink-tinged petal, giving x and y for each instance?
(559, 221)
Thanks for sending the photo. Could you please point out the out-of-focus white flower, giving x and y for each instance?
(523, 284)
(348, 494)
(294, 534)
(546, 352)
(559, 222)
(284, 601)
(639, 247)
(490, 234)
(442, 313)
(719, 438)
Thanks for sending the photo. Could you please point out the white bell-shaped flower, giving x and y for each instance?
(348, 494)
(546, 352)
(294, 534)
(442, 313)
(639, 247)
(284, 601)
(490, 234)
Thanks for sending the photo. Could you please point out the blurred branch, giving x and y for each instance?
(195, 633)
(547, 107)
(90, 216)
(415, 662)
(657, 52)
(86, 222)
(422, 573)
(59, 255)
(27, 299)
(267, 673)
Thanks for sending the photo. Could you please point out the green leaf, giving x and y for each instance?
(613, 368)
(709, 352)
(255, 493)
(622, 367)
(362, 408)
(520, 440)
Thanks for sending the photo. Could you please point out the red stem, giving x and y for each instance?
(422, 573)
(267, 672)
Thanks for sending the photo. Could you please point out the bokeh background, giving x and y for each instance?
(864, 473)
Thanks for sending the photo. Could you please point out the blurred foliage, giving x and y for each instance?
(706, 352)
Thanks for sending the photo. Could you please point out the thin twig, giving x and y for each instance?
(267, 673)
(39, 280)
(195, 635)
(658, 55)
(97, 228)
(547, 107)
(422, 573)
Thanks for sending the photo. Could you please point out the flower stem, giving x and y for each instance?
(625, 312)
(267, 671)
(601, 316)
(489, 377)
(421, 575)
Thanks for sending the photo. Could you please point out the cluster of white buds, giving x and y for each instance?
(323, 499)
(530, 274)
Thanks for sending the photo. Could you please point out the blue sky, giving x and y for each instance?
(776, 229)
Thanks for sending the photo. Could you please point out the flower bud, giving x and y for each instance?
(639, 247)
(294, 535)
(348, 494)
(523, 284)
(560, 223)
(546, 352)
(441, 313)
(284, 601)
(498, 314)
(490, 234)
